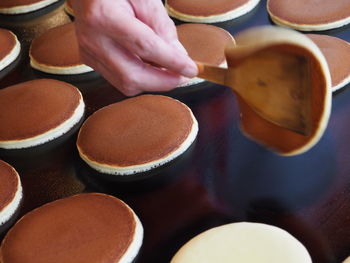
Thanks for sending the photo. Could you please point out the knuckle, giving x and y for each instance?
(145, 47)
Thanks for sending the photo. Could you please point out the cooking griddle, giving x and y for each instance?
(223, 178)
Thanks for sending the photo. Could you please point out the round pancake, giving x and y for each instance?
(10, 191)
(68, 7)
(281, 140)
(337, 54)
(207, 11)
(57, 52)
(243, 243)
(205, 44)
(9, 48)
(23, 6)
(82, 228)
(136, 135)
(310, 15)
(347, 260)
(38, 111)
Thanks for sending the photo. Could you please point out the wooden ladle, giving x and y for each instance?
(269, 69)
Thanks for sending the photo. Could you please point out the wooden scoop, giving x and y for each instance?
(269, 69)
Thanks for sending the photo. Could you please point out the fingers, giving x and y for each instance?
(159, 21)
(125, 71)
(141, 40)
(116, 38)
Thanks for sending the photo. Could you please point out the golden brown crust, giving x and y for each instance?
(57, 47)
(135, 131)
(205, 7)
(7, 43)
(82, 228)
(9, 184)
(69, 4)
(34, 107)
(204, 43)
(315, 12)
(337, 54)
(15, 3)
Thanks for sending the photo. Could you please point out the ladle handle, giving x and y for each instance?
(211, 73)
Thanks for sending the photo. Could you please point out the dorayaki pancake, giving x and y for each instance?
(23, 6)
(68, 7)
(10, 191)
(337, 54)
(310, 15)
(281, 140)
(9, 48)
(57, 52)
(205, 44)
(243, 243)
(136, 135)
(37, 111)
(208, 11)
(78, 229)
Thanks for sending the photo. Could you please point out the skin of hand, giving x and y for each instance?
(132, 43)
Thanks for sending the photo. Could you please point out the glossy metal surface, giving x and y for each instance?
(225, 178)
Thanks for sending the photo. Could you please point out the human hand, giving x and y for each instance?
(132, 43)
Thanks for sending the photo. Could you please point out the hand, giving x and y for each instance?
(132, 43)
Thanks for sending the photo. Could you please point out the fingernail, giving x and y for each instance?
(190, 70)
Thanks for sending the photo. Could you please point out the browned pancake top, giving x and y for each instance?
(57, 47)
(8, 184)
(34, 107)
(69, 3)
(310, 12)
(79, 229)
(7, 42)
(135, 131)
(337, 54)
(204, 43)
(205, 7)
(15, 3)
